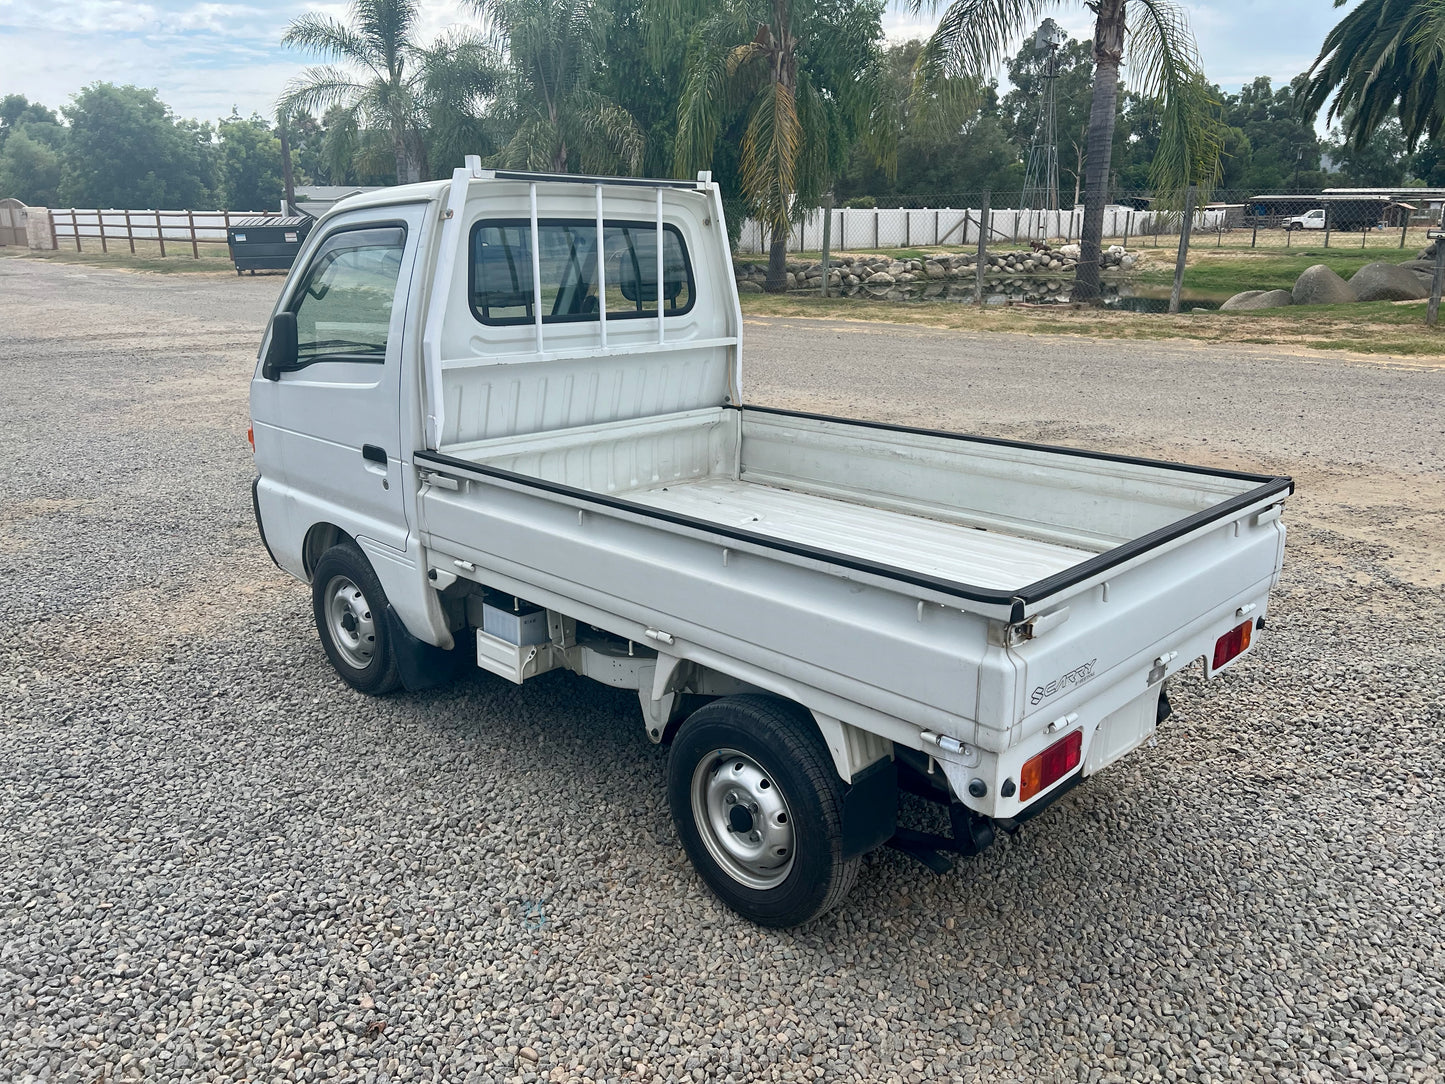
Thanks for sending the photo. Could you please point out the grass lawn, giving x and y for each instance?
(178, 258)
(1381, 327)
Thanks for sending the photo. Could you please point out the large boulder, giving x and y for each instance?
(1388, 282)
(1318, 285)
(1420, 267)
(1253, 300)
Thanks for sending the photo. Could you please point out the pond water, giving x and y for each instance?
(1123, 295)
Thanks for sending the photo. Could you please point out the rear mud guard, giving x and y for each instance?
(422, 665)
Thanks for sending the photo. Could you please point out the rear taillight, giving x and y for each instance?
(1055, 762)
(1232, 643)
(251, 438)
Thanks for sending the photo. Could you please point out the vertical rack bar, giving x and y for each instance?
(536, 268)
(659, 267)
(601, 270)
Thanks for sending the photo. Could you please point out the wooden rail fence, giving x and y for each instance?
(181, 228)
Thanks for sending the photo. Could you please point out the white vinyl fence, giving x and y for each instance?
(860, 229)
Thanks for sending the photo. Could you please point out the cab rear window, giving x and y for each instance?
(500, 279)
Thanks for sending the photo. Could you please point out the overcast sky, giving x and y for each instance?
(206, 57)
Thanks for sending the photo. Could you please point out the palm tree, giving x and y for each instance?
(1384, 56)
(811, 81)
(554, 50)
(1163, 60)
(384, 79)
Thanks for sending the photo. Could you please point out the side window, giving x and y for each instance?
(343, 306)
(502, 290)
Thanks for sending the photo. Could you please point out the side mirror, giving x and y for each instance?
(281, 351)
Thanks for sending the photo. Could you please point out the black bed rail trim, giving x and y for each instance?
(1016, 601)
(1267, 486)
(1055, 449)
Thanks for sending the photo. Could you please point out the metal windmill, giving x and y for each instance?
(1041, 177)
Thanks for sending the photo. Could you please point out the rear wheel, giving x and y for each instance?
(759, 808)
(350, 609)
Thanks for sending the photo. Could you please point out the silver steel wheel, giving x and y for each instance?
(350, 621)
(743, 818)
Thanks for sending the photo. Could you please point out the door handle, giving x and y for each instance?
(373, 454)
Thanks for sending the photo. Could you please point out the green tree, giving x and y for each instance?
(1163, 61)
(1283, 149)
(126, 149)
(554, 54)
(1379, 162)
(644, 81)
(808, 74)
(249, 165)
(29, 168)
(384, 80)
(950, 145)
(17, 111)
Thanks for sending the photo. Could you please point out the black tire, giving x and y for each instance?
(362, 653)
(788, 763)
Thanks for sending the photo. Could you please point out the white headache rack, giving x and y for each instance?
(453, 226)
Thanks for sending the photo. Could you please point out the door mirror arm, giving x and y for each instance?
(281, 353)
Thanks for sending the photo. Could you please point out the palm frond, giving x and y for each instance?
(1384, 56)
(317, 89)
(703, 101)
(770, 154)
(1165, 69)
(605, 136)
(332, 39)
(534, 146)
(973, 36)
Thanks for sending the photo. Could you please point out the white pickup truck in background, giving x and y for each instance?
(499, 421)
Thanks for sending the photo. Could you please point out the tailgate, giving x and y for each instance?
(1108, 640)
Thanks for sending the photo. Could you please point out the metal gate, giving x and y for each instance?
(12, 223)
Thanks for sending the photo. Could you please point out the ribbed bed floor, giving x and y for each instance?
(947, 550)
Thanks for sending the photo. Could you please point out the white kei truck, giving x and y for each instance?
(499, 421)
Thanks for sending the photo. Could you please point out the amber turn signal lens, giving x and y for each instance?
(1055, 762)
(251, 438)
(1232, 644)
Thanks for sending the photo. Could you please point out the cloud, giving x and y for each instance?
(204, 56)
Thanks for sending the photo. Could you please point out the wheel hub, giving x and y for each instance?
(350, 622)
(743, 818)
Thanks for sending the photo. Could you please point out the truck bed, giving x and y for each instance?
(996, 521)
(990, 559)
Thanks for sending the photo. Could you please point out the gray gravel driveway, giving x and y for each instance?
(219, 863)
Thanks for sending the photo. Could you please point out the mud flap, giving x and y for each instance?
(870, 808)
(420, 664)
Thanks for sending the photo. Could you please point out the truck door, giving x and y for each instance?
(339, 412)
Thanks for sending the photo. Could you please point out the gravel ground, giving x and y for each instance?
(218, 863)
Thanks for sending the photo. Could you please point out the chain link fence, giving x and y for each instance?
(1232, 218)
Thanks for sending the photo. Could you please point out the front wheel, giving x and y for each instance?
(759, 808)
(350, 609)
